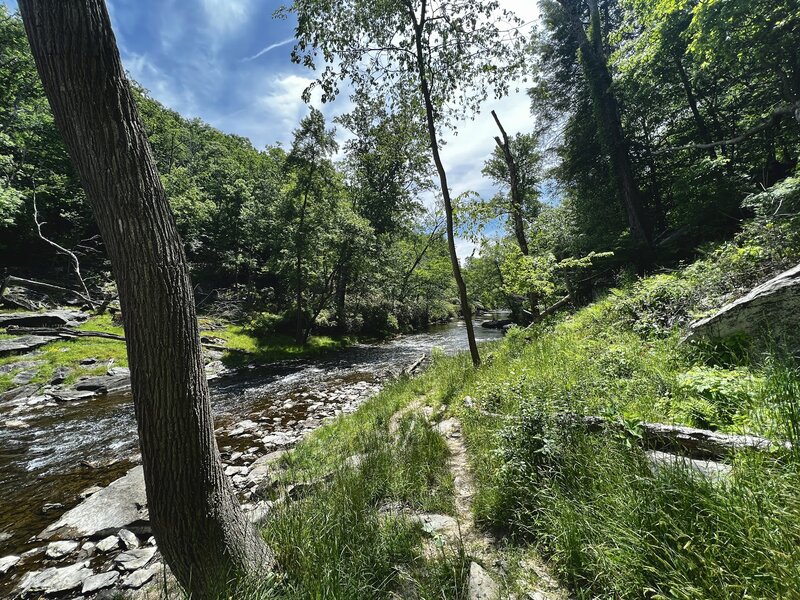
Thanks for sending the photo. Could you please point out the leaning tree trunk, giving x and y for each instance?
(201, 531)
(466, 310)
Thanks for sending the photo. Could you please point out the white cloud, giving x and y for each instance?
(226, 16)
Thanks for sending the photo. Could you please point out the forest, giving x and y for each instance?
(312, 394)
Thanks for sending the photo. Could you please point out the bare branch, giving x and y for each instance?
(771, 121)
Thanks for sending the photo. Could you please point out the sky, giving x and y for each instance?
(228, 63)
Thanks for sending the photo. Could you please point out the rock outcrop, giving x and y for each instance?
(773, 306)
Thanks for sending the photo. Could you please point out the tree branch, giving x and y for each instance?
(771, 121)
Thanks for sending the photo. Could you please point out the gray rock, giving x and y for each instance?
(135, 559)
(60, 549)
(59, 375)
(104, 384)
(88, 361)
(108, 543)
(772, 306)
(15, 424)
(259, 512)
(5, 536)
(24, 377)
(481, 585)
(118, 372)
(55, 580)
(70, 395)
(129, 539)
(7, 562)
(90, 491)
(122, 504)
(437, 525)
(99, 582)
(709, 469)
(138, 578)
(23, 343)
(51, 318)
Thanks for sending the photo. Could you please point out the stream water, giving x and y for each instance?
(73, 445)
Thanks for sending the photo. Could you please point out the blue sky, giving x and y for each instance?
(227, 62)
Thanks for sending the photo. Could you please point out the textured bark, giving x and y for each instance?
(201, 531)
(606, 108)
(466, 310)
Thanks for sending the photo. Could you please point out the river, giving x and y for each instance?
(71, 446)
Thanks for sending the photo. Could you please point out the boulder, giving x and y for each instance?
(772, 306)
(55, 580)
(59, 375)
(99, 582)
(709, 469)
(122, 504)
(498, 324)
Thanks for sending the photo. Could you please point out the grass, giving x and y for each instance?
(245, 347)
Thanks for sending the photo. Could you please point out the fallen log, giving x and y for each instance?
(696, 443)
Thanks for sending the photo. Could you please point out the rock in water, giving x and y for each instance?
(122, 504)
(772, 306)
(99, 582)
(481, 585)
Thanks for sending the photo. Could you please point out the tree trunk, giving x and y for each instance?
(699, 121)
(598, 76)
(201, 531)
(466, 310)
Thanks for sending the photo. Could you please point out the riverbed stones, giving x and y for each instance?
(131, 560)
(104, 384)
(108, 543)
(23, 344)
(15, 424)
(7, 562)
(129, 539)
(120, 505)
(100, 581)
(61, 549)
(138, 578)
(55, 580)
(24, 377)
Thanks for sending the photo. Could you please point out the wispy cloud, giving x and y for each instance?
(268, 48)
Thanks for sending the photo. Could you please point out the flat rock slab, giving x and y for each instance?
(23, 343)
(138, 578)
(122, 504)
(50, 318)
(104, 384)
(7, 562)
(61, 549)
(132, 560)
(99, 582)
(481, 585)
(709, 469)
(437, 525)
(55, 580)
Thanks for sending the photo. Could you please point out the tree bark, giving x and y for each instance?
(466, 310)
(201, 531)
(606, 107)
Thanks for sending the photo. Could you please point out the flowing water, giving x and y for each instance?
(73, 445)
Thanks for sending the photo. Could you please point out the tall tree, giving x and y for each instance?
(201, 531)
(446, 55)
(589, 43)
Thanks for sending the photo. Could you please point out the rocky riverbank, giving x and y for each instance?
(104, 544)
